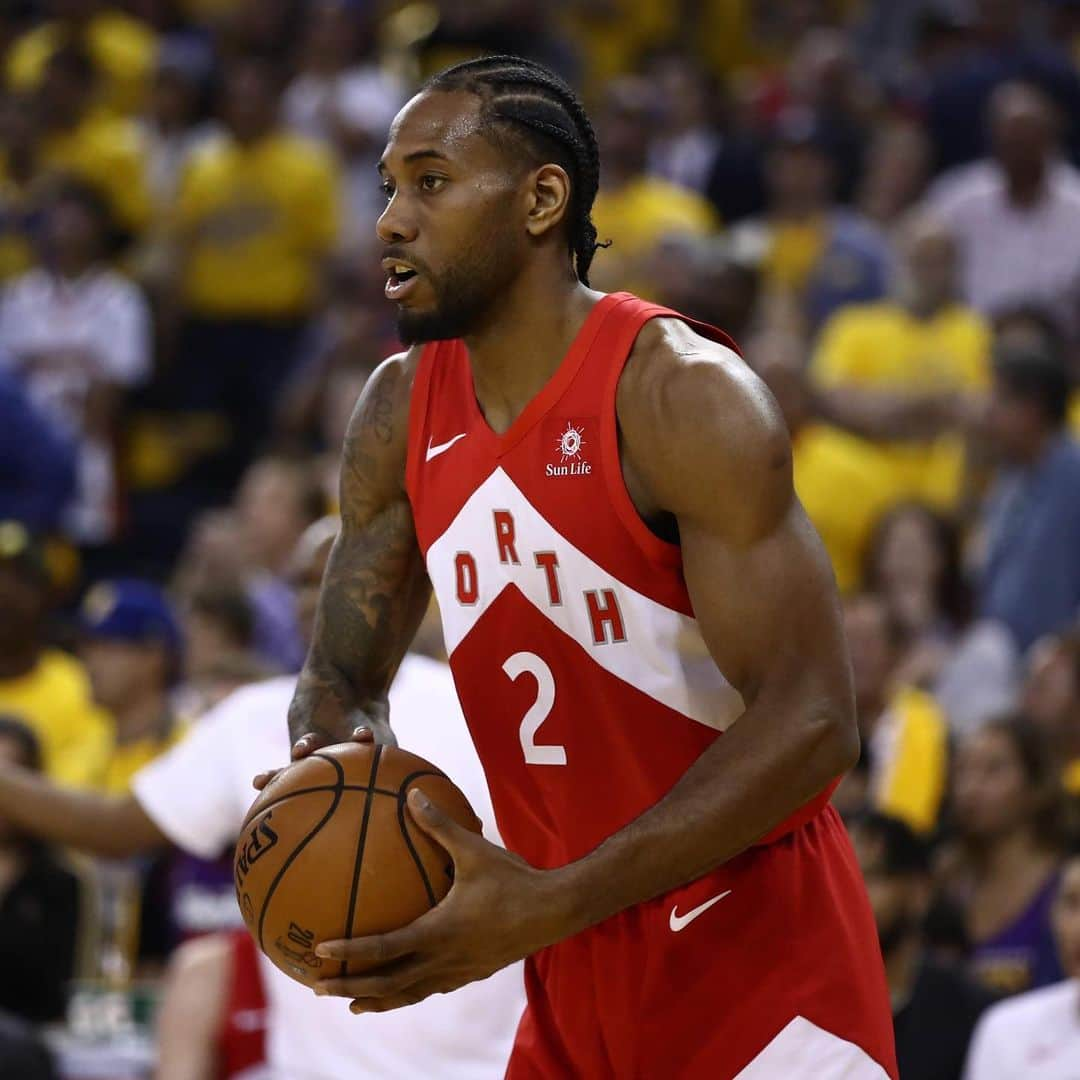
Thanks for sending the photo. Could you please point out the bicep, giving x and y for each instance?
(767, 607)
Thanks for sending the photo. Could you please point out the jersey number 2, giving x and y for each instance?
(536, 753)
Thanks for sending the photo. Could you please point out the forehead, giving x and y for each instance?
(447, 122)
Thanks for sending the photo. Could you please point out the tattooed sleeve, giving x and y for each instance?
(375, 588)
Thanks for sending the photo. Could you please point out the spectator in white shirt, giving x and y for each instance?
(346, 101)
(1017, 214)
(77, 333)
(1036, 1036)
(197, 796)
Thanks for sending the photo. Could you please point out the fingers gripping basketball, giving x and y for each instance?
(329, 851)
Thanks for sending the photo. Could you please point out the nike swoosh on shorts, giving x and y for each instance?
(679, 922)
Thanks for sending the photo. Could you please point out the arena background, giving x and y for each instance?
(880, 201)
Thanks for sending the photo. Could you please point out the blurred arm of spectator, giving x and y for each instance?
(37, 462)
(894, 417)
(113, 826)
(192, 1011)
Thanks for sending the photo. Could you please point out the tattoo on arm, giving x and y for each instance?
(375, 588)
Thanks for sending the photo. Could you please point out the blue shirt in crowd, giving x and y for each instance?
(37, 462)
(1031, 577)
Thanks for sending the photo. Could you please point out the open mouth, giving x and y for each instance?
(399, 281)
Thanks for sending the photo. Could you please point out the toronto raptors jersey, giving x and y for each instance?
(582, 673)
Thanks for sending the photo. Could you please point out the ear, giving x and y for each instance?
(549, 199)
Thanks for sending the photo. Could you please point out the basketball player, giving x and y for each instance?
(642, 625)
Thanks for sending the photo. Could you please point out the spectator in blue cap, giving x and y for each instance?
(132, 648)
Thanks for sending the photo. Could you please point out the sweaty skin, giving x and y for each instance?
(720, 477)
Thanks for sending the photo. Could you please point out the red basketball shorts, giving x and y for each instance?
(766, 969)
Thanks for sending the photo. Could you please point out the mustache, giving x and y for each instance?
(404, 255)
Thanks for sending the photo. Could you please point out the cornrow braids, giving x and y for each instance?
(543, 112)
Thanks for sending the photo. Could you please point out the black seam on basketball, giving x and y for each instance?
(313, 790)
(300, 847)
(402, 795)
(358, 864)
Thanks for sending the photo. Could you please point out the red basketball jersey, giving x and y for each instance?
(582, 673)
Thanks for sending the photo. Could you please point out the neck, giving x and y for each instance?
(1026, 190)
(926, 307)
(144, 715)
(902, 969)
(1036, 450)
(72, 267)
(254, 134)
(12, 861)
(525, 339)
(798, 210)
(1006, 855)
(18, 658)
(21, 164)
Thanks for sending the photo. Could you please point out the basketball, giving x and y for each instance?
(329, 851)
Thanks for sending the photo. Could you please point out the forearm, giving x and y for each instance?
(373, 597)
(876, 414)
(112, 826)
(749, 781)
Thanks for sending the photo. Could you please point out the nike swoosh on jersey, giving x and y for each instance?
(681, 922)
(435, 451)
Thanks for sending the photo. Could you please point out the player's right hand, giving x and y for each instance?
(308, 744)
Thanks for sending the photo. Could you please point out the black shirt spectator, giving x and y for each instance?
(933, 1027)
(935, 1005)
(39, 908)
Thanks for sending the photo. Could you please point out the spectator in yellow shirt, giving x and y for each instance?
(80, 139)
(257, 217)
(905, 741)
(132, 649)
(923, 342)
(122, 50)
(22, 191)
(634, 210)
(816, 256)
(48, 689)
(843, 481)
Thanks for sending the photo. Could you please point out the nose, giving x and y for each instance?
(395, 224)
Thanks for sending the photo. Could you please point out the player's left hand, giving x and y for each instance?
(499, 910)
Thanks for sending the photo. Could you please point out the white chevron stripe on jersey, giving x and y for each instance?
(662, 655)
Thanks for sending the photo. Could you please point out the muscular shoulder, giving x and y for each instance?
(702, 431)
(376, 442)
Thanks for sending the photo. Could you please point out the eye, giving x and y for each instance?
(386, 187)
(430, 182)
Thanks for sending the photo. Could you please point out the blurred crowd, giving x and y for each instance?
(880, 201)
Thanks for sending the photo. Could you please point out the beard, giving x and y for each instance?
(465, 294)
(461, 305)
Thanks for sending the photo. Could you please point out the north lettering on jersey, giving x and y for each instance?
(605, 616)
(504, 537)
(466, 578)
(602, 605)
(548, 561)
